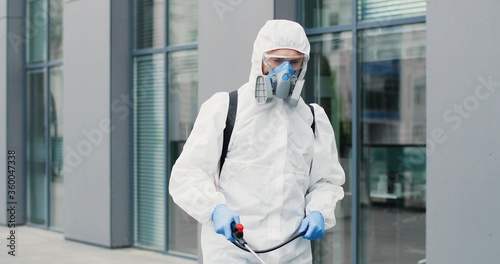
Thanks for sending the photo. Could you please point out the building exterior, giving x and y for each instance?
(98, 96)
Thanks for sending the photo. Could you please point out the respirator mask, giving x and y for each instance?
(284, 80)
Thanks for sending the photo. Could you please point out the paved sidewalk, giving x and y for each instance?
(38, 246)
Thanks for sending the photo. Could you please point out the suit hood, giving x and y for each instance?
(277, 34)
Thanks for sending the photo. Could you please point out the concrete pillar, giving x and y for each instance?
(96, 132)
(12, 112)
(226, 32)
(3, 110)
(463, 139)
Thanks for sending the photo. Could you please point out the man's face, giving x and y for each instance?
(279, 56)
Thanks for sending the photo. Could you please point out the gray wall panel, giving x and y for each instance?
(463, 95)
(226, 32)
(285, 9)
(3, 109)
(15, 99)
(87, 127)
(120, 118)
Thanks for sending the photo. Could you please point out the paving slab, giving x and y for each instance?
(40, 246)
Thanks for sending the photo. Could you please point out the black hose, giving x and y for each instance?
(240, 243)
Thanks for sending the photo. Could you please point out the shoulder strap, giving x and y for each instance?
(313, 125)
(228, 130)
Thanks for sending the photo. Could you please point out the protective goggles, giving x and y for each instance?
(297, 62)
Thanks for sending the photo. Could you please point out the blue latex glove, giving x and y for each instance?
(223, 218)
(314, 225)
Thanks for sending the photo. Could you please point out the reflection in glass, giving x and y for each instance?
(328, 78)
(149, 151)
(182, 109)
(36, 31)
(326, 13)
(392, 172)
(36, 148)
(182, 22)
(378, 10)
(56, 147)
(149, 24)
(56, 29)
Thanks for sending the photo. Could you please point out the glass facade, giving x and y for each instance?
(37, 146)
(328, 83)
(165, 107)
(56, 147)
(56, 29)
(380, 10)
(370, 79)
(149, 151)
(44, 119)
(182, 108)
(36, 31)
(182, 22)
(316, 14)
(392, 171)
(149, 24)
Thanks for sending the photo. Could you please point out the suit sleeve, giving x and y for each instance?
(193, 176)
(326, 176)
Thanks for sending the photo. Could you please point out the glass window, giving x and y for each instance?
(392, 187)
(37, 147)
(36, 31)
(328, 78)
(44, 115)
(182, 22)
(155, 149)
(182, 111)
(56, 29)
(377, 10)
(56, 149)
(149, 24)
(326, 13)
(149, 151)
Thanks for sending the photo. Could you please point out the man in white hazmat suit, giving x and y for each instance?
(278, 173)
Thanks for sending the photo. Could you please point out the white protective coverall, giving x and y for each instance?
(267, 178)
